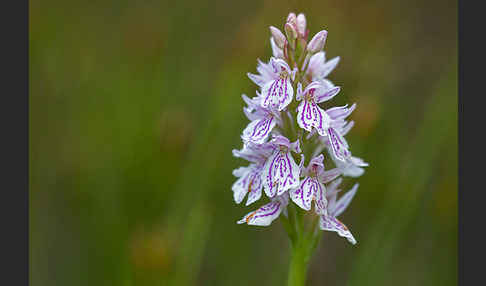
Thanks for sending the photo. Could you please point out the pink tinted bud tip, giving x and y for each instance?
(301, 25)
(292, 19)
(317, 42)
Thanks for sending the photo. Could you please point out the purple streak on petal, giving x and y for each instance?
(258, 130)
(269, 176)
(302, 196)
(264, 215)
(249, 182)
(269, 210)
(320, 198)
(330, 223)
(338, 145)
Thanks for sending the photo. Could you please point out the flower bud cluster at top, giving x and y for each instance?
(287, 122)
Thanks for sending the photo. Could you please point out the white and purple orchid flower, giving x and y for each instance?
(250, 177)
(275, 80)
(312, 188)
(335, 207)
(309, 114)
(281, 173)
(263, 120)
(335, 139)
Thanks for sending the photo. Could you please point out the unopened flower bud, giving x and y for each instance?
(317, 42)
(278, 37)
(301, 25)
(291, 34)
(292, 19)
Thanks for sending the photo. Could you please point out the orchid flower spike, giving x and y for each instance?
(282, 128)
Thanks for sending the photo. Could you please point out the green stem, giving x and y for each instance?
(299, 261)
(302, 247)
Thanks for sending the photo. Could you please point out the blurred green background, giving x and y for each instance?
(135, 107)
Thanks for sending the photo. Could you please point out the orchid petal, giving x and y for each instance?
(338, 144)
(280, 173)
(249, 181)
(299, 94)
(256, 153)
(309, 115)
(340, 112)
(320, 199)
(343, 202)
(332, 188)
(328, 67)
(277, 93)
(315, 62)
(352, 171)
(255, 189)
(327, 95)
(265, 214)
(257, 79)
(329, 175)
(330, 223)
(319, 161)
(345, 129)
(280, 140)
(303, 195)
(276, 51)
(258, 130)
(358, 162)
(266, 70)
(301, 164)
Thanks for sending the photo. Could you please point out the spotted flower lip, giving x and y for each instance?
(311, 188)
(275, 80)
(309, 114)
(330, 222)
(263, 120)
(249, 182)
(267, 213)
(280, 172)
